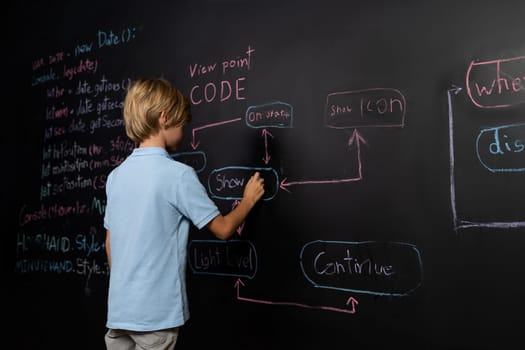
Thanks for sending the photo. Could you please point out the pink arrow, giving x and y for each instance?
(240, 283)
(267, 157)
(241, 226)
(194, 144)
(356, 138)
(352, 301)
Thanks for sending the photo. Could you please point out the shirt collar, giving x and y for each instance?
(149, 151)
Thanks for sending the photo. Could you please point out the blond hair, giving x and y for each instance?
(145, 100)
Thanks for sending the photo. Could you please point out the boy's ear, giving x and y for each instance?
(163, 120)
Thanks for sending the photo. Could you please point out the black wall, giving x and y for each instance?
(394, 214)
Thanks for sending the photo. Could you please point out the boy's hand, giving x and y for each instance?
(254, 189)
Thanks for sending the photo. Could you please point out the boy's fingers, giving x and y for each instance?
(257, 178)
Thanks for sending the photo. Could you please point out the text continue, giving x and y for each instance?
(380, 268)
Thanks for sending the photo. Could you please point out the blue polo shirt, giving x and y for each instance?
(151, 201)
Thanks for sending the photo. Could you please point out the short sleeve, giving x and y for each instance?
(193, 200)
(106, 214)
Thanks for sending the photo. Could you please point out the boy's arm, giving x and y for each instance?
(223, 226)
(108, 251)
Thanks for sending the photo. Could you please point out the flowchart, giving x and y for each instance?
(496, 89)
(352, 267)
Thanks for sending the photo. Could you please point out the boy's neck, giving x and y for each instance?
(153, 141)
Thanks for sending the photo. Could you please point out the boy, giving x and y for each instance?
(151, 200)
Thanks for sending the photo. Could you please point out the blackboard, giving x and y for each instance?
(390, 134)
